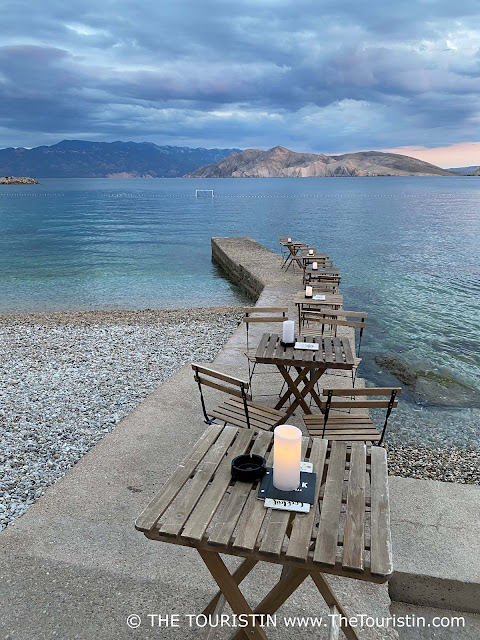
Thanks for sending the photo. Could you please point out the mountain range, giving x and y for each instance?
(83, 159)
(281, 163)
(467, 171)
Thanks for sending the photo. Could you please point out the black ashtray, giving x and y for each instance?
(248, 467)
(287, 344)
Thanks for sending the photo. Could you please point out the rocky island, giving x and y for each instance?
(283, 163)
(13, 180)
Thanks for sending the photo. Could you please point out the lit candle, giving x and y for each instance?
(314, 266)
(310, 252)
(287, 451)
(308, 292)
(288, 331)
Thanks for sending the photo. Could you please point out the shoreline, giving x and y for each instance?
(111, 316)
(68, 378)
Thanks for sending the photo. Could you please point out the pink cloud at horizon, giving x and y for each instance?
(462, 154)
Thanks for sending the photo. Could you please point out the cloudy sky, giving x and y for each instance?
(312, 75)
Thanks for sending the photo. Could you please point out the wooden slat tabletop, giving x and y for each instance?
(323, 271)
(330, 299)
(314, 256)
(347, 532)
(336, 352)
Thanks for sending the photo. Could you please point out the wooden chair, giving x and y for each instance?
(321, 283)
(309, 275)
(238, 409)
(283, 247)
(341, 426)
(255, 315)
(305, 251)
(334, 318)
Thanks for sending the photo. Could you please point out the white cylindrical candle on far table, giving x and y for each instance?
(310, 252)
(309, 292)
(287, 451)
(288, 331)
(314, 266)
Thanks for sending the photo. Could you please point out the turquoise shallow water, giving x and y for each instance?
(408, 249)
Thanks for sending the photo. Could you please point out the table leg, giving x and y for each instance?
(310, 386)
(238, 575)
(290, 581)
(331, 600)
(292, 390)
(232, 593)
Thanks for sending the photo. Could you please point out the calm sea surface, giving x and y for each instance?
(408, 249)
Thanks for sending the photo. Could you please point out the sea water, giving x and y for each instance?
(408, 249)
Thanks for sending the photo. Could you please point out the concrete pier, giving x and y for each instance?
(74, 566)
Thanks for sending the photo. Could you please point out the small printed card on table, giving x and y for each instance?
(319, 296)
(312, 346)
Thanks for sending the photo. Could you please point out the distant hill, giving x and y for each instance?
(83, 159)
(283, 163)
(465, 170)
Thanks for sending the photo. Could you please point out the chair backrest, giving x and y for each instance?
(321, 284)
(337, 318)
(221, 382)
(389, 392)
(263, 314)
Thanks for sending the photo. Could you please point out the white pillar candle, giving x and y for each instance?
(289, 239)
(308, 292)
(314, 266)
(287, 451)
(310, 252)
(288, 331)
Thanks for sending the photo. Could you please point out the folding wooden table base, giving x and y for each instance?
(332, 353)
(288, 583)
(300, 394)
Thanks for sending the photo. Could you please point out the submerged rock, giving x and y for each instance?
(430, 386)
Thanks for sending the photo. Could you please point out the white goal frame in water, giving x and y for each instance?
(204, 193)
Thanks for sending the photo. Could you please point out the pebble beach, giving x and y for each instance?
(66, 380)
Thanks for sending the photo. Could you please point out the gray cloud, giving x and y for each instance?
(314, 76)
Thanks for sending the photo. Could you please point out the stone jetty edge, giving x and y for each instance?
(435, 525)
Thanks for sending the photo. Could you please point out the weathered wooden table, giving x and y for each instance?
(346, 533)
(294, 248)
(334, 300)
(311, 276)
(319, 258)
(333, 353)
(295, 257)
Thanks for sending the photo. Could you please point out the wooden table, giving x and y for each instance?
(295, 257)
(326, 273)
(294, 248)
(346, 533)
(333, 353)
(334, 300)
(307, 258)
